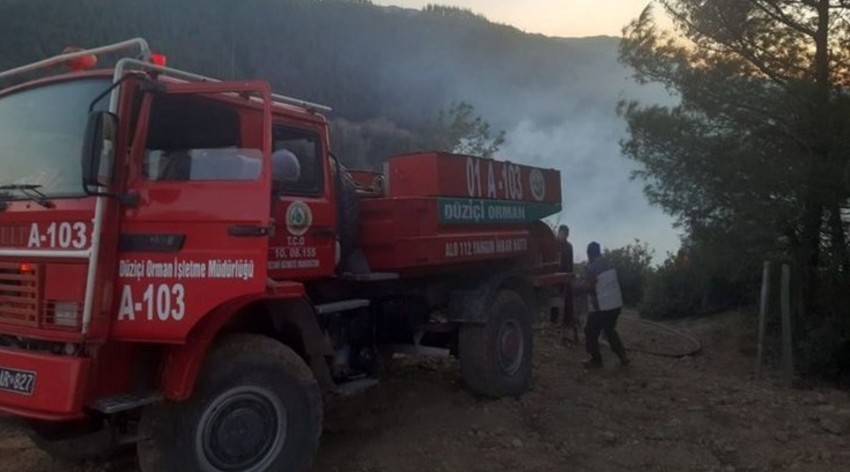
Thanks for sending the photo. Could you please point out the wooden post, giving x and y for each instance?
(765, 294)
(787, 345)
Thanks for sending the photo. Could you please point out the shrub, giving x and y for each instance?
(633, 263)
(672, 291)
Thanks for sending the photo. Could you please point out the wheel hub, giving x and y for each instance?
(511, 347)
(243, 430)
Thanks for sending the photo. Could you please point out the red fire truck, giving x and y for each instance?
(186, 267)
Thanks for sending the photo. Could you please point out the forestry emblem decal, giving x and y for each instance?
(299, 218)
(537, 184)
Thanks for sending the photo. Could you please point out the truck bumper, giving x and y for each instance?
(54, 392)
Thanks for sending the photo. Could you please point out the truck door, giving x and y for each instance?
(305, 244)
(198, 235)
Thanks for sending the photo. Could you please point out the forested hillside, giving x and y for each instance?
(388, 72)
(366, 60)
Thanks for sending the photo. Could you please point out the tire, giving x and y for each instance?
(256, 407)
(496, 357)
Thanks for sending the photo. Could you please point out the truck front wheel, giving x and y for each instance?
(495, 357)
(256, 407)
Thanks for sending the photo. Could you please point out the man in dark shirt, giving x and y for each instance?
(566, 251)
(565, 248)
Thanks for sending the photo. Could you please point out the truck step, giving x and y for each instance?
(356, 386)
(437, 328)
(345, 305)
(421, 351)
(124, 402)
(369, 276)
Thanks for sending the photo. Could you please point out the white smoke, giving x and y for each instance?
(601, 202)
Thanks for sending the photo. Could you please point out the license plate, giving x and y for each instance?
(17, 381)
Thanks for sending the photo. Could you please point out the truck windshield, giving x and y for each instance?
(41, 136)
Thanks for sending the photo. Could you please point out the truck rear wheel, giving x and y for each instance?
(495, 357)
(256, 407)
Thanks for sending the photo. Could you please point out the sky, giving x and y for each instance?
(567, 18)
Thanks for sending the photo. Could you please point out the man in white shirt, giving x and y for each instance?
(604, 303)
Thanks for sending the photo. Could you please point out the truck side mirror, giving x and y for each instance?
(98, 156)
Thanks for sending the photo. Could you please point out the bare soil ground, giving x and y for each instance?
(702, 413)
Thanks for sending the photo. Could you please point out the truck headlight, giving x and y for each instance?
(65, 314)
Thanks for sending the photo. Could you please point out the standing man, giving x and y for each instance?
(565, 249)
(604, 303)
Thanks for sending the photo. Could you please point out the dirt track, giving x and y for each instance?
(695, 414)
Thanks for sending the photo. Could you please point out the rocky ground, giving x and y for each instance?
(701, 413)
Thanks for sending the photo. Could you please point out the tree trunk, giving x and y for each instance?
(841, 261)
(822, 52)
(814, 195)
(810, 248)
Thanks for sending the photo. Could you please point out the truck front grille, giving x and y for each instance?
(19, 294)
